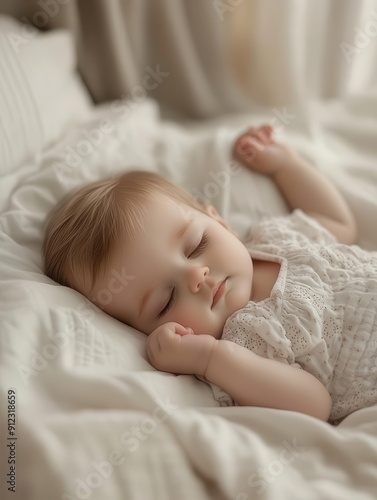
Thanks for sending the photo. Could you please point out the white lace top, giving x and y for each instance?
(321, 314)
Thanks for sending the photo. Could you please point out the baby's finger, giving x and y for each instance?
(248, 148)
(267, 132)
(263, 137)
(182, 330)
(268, 129)
(247, 142)
(253, 132)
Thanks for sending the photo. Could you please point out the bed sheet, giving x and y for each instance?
(94, 419)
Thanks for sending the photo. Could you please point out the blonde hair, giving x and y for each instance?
(83, 230)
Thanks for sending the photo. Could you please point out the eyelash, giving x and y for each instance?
(168, 306)
(202, 245)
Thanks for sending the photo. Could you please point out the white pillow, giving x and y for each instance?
(40, 92)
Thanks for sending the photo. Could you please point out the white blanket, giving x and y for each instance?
(94, 419)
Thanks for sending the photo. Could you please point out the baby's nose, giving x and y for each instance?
(197, 276)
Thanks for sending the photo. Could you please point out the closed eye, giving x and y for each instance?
(202, 245)
(168, 306)
(197, 251)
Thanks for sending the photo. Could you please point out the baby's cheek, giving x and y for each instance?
(238, 298)
(187, 320)
(192, 318)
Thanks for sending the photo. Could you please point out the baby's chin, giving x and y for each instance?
(219, 335)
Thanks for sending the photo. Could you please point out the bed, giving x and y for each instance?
(93, 418)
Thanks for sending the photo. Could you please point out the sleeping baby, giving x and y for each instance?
(287, 320)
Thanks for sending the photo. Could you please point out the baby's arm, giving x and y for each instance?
(248, 378)
(302, 185)
(252, 380)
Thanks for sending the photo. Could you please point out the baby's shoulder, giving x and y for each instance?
(295, 229)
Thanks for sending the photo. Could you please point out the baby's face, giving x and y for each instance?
(173, 270)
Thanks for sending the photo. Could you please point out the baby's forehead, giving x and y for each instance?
(164, 210)
(160, 218)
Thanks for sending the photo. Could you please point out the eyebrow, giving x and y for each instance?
(177, 236)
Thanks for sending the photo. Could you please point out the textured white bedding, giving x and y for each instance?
(94, 419)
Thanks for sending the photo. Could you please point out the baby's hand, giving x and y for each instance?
(257, 150)
(175, 349)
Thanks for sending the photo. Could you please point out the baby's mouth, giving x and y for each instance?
(218, 292)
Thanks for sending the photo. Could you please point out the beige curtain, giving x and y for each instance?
(202, 58)
(181, 44)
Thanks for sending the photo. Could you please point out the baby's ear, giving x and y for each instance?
(212, 212)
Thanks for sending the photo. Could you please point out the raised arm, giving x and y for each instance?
(255, 381)
(302, 185)
(305, 187)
